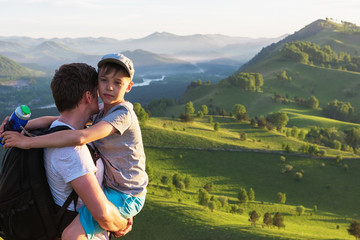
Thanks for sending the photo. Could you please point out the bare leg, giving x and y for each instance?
(74, 231)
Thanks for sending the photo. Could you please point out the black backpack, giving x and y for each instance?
(27, 208)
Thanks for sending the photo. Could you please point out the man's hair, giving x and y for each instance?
(110, 67)
(70, 82)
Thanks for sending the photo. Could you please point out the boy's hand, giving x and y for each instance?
(126, 230)
(2, 126)
(14, 139)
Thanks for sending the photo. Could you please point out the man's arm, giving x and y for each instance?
(102, 210)
(64, 138)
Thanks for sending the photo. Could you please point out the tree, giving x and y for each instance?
(282, 75)
(187, 181)
(203, 197)
(165, 180)
(186, 117)
(353, 137)
(178, 181)
(140, 112)
(210, 119)
(223, 200)
(242, 195)
(312, 102)
(354, 228)
(200, 114)
(278, 119)
(208, 187)
(267, 219)
(189, 108)
(239, 111)
(204, 109)
(338, 110)
(254, 216)
(251, 194)
(294, 132)
(298, 176)
(278, 220)
(243, 136)
(281, 198)
(217, 126)
(300, 210)
(212, 205)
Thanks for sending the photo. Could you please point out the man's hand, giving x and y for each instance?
(126, 230)
(3, 124)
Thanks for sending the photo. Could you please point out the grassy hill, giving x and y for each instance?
(220, 158)
(10, 70)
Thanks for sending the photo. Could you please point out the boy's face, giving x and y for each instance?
(112, 87)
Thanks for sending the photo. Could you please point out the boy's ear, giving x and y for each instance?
(129, 86)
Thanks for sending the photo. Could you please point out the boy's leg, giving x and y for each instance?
(74, 231)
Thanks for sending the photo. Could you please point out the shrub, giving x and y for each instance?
(212, 205)
(178, 181)
(281, 198)
(223, 200)
(208, 187)
(251, 194)
(242, 196)
(300, 210)
(254, 216)
(165, 180)
(278, 220)
(187, 181)
(267, 219)
(298, 176)
(243, 136)
(203, 197)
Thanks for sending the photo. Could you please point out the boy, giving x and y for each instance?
(116, 134)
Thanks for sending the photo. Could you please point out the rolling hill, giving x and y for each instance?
(323, 81)
(10, 70)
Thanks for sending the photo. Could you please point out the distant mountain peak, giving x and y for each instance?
(161, 35)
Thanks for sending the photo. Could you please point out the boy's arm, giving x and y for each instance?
(63, 138)
(41, 122)
(103, 211)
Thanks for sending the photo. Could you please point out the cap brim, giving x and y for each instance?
(113, 60)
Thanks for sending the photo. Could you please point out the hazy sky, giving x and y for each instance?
(122, 19)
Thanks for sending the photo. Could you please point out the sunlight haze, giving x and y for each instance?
(136, 19)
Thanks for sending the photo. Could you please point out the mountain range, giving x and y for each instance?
(163, 48)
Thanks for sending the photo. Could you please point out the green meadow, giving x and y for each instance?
(196, 150)
(220, 158)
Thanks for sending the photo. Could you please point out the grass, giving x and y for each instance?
(201, 135)
(165, 217)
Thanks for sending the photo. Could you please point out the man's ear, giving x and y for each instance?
(129, 86)
(88, 97)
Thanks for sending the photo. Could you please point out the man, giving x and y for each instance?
(74, 89)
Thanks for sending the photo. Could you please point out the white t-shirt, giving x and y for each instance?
(62, 165)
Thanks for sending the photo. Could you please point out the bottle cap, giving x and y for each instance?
(23, 112)
(25, 109)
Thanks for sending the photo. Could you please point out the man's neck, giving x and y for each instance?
(74, 118)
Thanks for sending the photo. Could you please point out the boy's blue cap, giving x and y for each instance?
(119, 59)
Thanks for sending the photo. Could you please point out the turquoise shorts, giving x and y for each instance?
(128, 207)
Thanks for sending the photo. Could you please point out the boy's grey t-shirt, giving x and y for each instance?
(123, 152)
